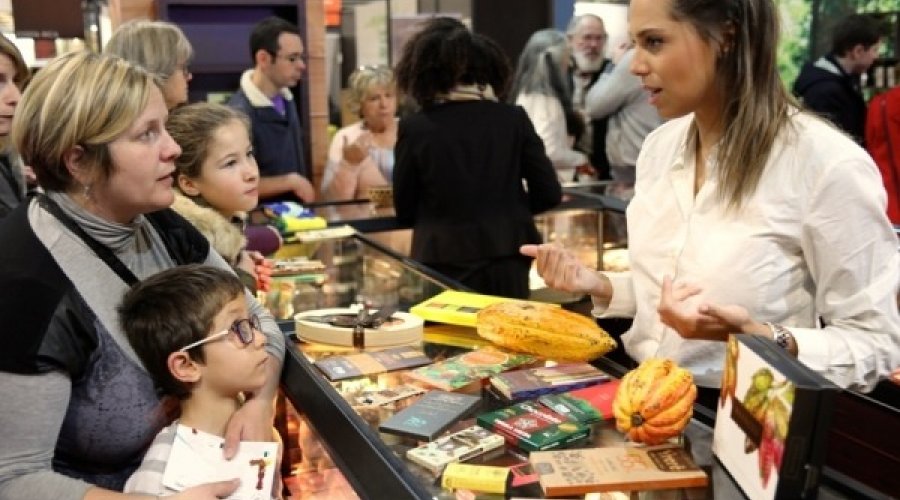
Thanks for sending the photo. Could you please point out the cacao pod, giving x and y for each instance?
(655, 401)
(543, 330)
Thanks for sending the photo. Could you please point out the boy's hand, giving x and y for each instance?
(209, 491)
(252, 422)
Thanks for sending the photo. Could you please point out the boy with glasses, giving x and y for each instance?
(191, 329)
(277, 52)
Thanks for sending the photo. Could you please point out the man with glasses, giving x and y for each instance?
(587, 41)
(265, 96)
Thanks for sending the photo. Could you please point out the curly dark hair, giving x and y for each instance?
(445, 53)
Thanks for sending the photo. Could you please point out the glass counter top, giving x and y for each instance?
(374, 463)
(696, 438)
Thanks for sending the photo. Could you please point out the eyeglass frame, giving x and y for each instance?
(291, 58)
(184, 68)
(252, 321)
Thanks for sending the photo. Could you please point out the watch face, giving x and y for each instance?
(782, 340)
(782, 336)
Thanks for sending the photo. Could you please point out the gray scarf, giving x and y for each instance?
(136, 244)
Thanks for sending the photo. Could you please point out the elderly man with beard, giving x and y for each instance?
(587, 41)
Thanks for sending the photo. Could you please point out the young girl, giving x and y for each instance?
(217, 182)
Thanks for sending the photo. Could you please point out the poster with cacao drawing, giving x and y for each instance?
(771, 407)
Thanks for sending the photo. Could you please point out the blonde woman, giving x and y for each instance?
(749, 216)
(79, 407)
(13, 76)
(362, 154)
(162, 49)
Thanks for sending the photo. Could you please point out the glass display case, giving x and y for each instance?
(354, 269)
(590, 221)
(373, 464)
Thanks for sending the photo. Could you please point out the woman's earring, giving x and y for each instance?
(87, 191)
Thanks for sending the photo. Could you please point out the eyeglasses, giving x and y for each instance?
(596, 38)
(244, 329)
(291, 58)
(183, 68)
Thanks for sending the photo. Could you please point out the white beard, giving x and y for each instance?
(586, 63)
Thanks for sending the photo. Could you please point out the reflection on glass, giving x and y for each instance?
(353, 271)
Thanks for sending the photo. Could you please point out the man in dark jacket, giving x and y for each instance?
(830, 86)
(264, 96)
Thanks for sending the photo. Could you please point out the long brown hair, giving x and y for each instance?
(757, 106)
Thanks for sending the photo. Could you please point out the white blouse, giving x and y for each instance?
(549, 121)
(812, 243)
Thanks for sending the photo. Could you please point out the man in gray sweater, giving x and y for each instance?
(619, 96)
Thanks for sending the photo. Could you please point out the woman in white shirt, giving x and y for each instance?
(538, 86)
(749, 215)
(362, 155)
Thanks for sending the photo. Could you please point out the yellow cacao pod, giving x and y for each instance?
(655, 401)
(543, 330)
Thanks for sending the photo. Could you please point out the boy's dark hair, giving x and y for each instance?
(858, 29)
(445, 53)
(265, 35)
(172, 309)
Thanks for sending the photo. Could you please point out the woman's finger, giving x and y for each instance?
(665, 293)
(529, 250)
(684, 291)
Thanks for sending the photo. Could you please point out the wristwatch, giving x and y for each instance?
(781, 335)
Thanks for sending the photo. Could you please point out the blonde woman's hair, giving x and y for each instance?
(193, 127)
(363, 80)
(757, 106)
(157, 46)
(80, 99)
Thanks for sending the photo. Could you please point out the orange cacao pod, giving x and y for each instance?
(655, 401)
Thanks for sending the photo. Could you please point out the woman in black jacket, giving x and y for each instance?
(461, 162)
